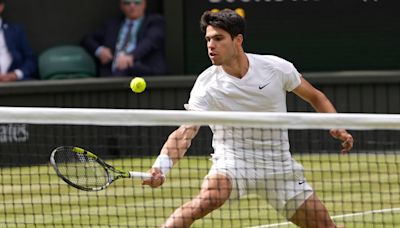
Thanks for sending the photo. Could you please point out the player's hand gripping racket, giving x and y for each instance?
(84, 170)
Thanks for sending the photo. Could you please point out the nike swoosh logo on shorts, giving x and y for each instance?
(262, 86)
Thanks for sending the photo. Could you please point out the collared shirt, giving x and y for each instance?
(5, 56)
(132, 36)
(131, 45)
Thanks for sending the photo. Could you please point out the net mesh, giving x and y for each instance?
(360, 189)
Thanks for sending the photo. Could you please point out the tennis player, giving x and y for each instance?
(246, 159)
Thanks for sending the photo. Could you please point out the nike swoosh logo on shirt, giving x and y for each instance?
(262, 86)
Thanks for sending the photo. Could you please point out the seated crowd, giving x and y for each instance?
(131, 44)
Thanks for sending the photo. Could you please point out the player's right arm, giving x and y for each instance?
(173, 150)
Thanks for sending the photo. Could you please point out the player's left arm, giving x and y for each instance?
(321, 103)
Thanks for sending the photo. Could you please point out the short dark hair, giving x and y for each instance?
(226, 19)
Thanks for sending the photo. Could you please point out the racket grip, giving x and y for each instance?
(139, 175)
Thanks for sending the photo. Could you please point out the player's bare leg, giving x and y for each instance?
(215, 190)
(313, 214)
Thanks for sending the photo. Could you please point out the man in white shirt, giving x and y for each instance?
(246, 159)
(17, 59)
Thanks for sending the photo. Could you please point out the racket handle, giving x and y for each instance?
(139, 175)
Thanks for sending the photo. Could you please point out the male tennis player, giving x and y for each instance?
(244, 159)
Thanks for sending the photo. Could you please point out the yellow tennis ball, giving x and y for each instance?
(138, 84)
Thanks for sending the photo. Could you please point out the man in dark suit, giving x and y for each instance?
(130, 45)
(17, 59)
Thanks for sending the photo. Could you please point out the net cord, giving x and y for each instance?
(143, 117)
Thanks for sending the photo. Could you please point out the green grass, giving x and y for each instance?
(35, 197)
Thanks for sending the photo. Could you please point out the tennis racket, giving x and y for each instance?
(85, 171)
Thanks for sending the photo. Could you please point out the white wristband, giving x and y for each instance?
(164, 163)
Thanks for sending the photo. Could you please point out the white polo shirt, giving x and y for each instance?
(262, 89)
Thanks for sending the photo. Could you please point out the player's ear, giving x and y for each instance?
(239, 39)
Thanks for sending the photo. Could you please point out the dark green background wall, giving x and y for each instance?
(316, 35)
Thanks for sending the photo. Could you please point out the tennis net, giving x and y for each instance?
(360, 189)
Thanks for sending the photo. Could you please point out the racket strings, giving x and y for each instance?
(81, 169)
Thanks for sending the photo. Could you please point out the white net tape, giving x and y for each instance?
(141, 117)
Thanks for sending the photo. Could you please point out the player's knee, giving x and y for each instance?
(214, 202)
(211, 200)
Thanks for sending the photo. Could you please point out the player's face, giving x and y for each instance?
(222, 49)
(133, 9)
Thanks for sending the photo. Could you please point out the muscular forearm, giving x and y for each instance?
(314, 97)
(173, 150)
(322, 104)
(178, 142)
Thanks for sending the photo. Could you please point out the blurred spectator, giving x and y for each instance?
(132, 44)
(17, 60)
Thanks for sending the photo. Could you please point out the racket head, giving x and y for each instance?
(80, 168)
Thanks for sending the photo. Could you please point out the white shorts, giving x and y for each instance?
(285, 191)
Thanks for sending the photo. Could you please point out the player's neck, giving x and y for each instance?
(238, 67)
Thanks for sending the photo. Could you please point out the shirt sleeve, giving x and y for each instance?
(19, 73)
(200, 99)
(291, 76)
